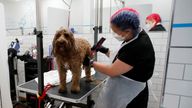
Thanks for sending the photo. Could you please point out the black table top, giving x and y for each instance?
(86, 89)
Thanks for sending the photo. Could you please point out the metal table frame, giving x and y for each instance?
(68, 98)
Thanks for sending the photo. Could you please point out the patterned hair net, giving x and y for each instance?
(126, 18)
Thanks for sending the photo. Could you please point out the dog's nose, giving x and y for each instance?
(61, 40)
(61, 43)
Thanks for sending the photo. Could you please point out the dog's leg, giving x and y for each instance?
(62, 78)
(76, 72)
(88, 73)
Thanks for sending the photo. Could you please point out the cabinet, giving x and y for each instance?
(31, 70)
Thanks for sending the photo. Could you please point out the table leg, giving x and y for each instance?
(90, 102)
(68, 105)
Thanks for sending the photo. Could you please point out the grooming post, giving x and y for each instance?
(101, 17)
(39, 50)
(40, 64)
(98, 20)
(96, 24)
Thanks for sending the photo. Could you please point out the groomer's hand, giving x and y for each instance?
(87, 61)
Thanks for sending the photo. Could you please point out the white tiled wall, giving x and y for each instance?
(175, 71)
(180, 39)
(180, 55)
(179, 78)
(171, 101)
(159, 40)
(188, 72)
(186, 102)
(178, 87)
(175, 101)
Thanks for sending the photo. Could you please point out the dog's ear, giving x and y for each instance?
(72, 39)
(53, 51)
(53, 47)
(71, 34)
(58, 33)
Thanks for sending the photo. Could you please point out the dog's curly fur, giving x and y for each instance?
(70, 53)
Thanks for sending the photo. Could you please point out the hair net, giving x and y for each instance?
(154, 16)
(126, 18)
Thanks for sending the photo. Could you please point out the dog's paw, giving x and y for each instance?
(75, 89)
(62, 90)
(90, 79)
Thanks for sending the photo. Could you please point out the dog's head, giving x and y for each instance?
(63, 42)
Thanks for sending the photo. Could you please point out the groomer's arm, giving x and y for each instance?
(115, 69)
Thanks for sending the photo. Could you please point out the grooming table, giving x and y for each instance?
(70, 99)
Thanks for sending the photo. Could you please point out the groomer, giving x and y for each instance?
(132, 67)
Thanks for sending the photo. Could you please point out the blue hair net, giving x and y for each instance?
(126, 20)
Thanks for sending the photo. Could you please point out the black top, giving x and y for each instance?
(158, 28)
(139, 54)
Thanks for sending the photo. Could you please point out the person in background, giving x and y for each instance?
(73, 30)
(153, 23)
(132, 66)
(34, 31)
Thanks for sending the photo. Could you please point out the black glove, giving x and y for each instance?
(101, 49)
(87, 61)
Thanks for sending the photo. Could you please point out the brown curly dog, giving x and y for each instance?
(70, 53)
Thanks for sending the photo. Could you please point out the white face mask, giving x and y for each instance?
(149, 26)
(118, 37)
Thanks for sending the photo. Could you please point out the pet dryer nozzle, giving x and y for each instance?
(99, 43)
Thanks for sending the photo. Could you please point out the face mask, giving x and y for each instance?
(118, 37)
(148, 26)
